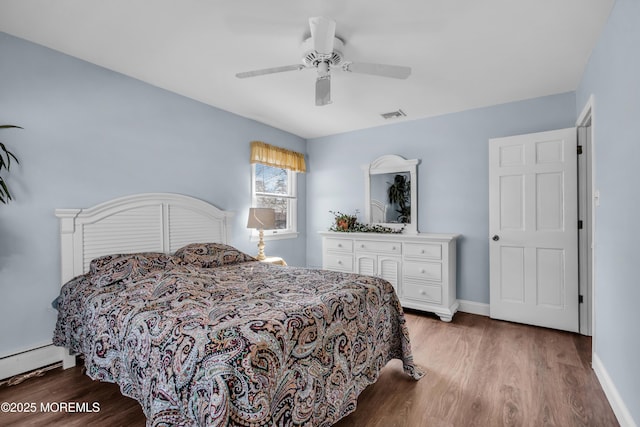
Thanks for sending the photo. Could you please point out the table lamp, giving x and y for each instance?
(261, 219)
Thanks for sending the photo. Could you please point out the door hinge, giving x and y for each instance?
(580, 299)
(579, 149)
(580, 224)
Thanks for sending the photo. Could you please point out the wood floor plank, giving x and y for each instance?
(479, 372)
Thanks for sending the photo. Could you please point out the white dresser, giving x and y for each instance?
(421, 267)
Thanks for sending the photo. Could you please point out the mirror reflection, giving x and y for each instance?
(391, 198)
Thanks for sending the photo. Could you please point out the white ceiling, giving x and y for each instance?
(464, 53)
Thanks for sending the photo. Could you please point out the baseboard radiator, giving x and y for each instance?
(34, 359)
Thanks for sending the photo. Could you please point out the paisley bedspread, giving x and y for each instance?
(246, 344)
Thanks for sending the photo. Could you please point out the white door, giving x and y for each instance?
(533, 225)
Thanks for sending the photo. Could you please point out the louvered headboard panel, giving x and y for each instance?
(150, 222)
(137, 229)
(188, 226)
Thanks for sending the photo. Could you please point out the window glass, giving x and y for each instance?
(271, 180)
(275, 188)
(279, 204)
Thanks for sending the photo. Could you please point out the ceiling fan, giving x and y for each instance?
(323, 51)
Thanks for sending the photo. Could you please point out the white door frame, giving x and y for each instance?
(589, 201)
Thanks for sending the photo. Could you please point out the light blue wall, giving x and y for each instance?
(613, 77)
(453, 176)
(91, 135)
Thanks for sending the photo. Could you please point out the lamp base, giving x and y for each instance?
(261, 255)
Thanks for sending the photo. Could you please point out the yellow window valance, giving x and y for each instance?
(271, 155)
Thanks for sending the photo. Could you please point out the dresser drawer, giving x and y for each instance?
(425, 293)
(388, 248)
(333, 261)
(431, 271)
(423, 250)
(339, 245)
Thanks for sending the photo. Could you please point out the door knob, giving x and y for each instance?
(495, 238)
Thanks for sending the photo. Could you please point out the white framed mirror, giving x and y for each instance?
(391, 193)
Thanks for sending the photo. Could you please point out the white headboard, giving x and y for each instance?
(150, 222)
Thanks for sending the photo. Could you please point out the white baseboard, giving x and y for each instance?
(474, 307)
(617, 404)
(30, 360)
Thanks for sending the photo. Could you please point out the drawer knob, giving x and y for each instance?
(422, 251)
(422, 292)
(393, 248)
(340, 262)
(362, 246)
(339, 245)
(422, 271)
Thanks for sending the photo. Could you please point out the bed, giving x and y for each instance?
(201, 333)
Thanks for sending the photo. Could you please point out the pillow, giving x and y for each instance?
(111, 269)
(207, 255)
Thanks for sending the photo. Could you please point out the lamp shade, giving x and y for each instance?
(262, 218)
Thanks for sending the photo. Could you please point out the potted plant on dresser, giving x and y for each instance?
(6, 157)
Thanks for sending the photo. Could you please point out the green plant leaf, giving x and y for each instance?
(9, 155)
(5, 190)
(5, 163)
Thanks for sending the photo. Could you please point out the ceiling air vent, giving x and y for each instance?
(393, 114)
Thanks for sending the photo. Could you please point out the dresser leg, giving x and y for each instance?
(446, 317)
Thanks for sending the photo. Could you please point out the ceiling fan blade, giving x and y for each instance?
(323, 91)
(323, 31)
(395, 71)
(273, 70)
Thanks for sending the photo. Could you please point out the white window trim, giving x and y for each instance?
(292, 212)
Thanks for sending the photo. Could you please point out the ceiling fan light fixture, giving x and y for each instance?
(311, 58)
(323, 69)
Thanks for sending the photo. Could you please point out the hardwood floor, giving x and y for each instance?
(483, 372)
(479, 372)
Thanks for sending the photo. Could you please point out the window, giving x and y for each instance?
(275, 187)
